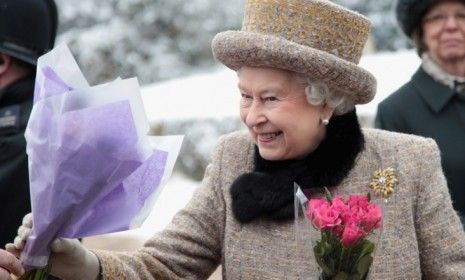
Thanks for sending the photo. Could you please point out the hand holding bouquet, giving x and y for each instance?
(92, 167)
(344, 250)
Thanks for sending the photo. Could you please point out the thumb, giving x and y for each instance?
(27, 220)
(71, 260)
(64, 245)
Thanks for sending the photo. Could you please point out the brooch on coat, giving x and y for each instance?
(383, 182)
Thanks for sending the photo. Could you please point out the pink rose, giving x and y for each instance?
(342, 208)
(372, 218)
(358, 201)
(353, 215)
(338, 230)
(339, 204)
(315, 204)
(322, 214)
(351, 235)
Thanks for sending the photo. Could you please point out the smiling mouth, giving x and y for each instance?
(451, 41)
(267, 137)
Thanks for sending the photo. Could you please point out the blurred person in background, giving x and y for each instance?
(432, 103)
(299, 81)
(27, 30)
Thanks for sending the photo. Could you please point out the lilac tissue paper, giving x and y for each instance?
(92, 167)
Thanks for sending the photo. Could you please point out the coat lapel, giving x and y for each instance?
(434, 94)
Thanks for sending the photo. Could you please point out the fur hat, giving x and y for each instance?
(317, 38)
(409, 13)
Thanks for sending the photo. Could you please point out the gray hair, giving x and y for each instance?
(319, 93)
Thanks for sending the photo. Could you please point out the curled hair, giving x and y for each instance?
(319, 93)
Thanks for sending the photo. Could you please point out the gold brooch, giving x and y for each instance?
(383, 182)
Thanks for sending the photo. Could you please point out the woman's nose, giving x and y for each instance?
(452, 22)
(255, 115)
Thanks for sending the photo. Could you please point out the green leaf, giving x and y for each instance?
(322, 252)
(35, 274)
(328, 195)
(363, 265)
(341, 276)
(326, 269)
(355, 276)
(368, 248)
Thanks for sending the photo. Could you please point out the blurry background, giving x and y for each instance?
(166, 44)
(160, 41)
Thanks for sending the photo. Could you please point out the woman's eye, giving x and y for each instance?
(460, 16)
(438, 17)
(435, 18)
(271, 98)
(246, 100)
(245, 96)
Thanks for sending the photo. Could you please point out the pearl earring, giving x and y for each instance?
(325, 121)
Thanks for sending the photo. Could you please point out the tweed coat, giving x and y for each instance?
(422, 235)
(428, 108)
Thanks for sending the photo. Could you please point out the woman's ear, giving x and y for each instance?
(5, 62)
(326, 113)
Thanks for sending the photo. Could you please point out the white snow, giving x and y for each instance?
(206, 95)
(391, 70)
(173, 197)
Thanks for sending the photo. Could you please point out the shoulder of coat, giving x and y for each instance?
(401, 96)
(239, 138)
(236, 146)
(389, 141)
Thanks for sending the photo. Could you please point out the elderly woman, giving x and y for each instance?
(299, 81)
(432, 103)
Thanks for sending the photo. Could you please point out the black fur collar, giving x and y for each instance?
(267, 191)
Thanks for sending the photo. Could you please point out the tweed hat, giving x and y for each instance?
(317, 38)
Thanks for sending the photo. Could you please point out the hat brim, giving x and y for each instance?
(242, 48)
(19, 53)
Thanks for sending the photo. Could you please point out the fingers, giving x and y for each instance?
(23, 232)
(4, 274)
(64, 245)
(10, 263)
(10, 247)
(19, 243)
(27, 220)
(70, 258)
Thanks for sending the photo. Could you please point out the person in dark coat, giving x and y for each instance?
(432, 103)
(27, 30)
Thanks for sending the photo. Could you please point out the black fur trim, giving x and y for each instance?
(268, 191)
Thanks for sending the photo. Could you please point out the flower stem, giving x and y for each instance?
(36, 274)
(341, 259)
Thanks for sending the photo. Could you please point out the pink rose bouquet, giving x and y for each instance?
(344, 251)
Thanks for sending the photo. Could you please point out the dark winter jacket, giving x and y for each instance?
(428, 108)
(15, 108)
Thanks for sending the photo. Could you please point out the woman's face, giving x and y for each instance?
(444, 31)
(280, 120)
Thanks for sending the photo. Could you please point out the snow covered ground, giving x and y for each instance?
(214, 95)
